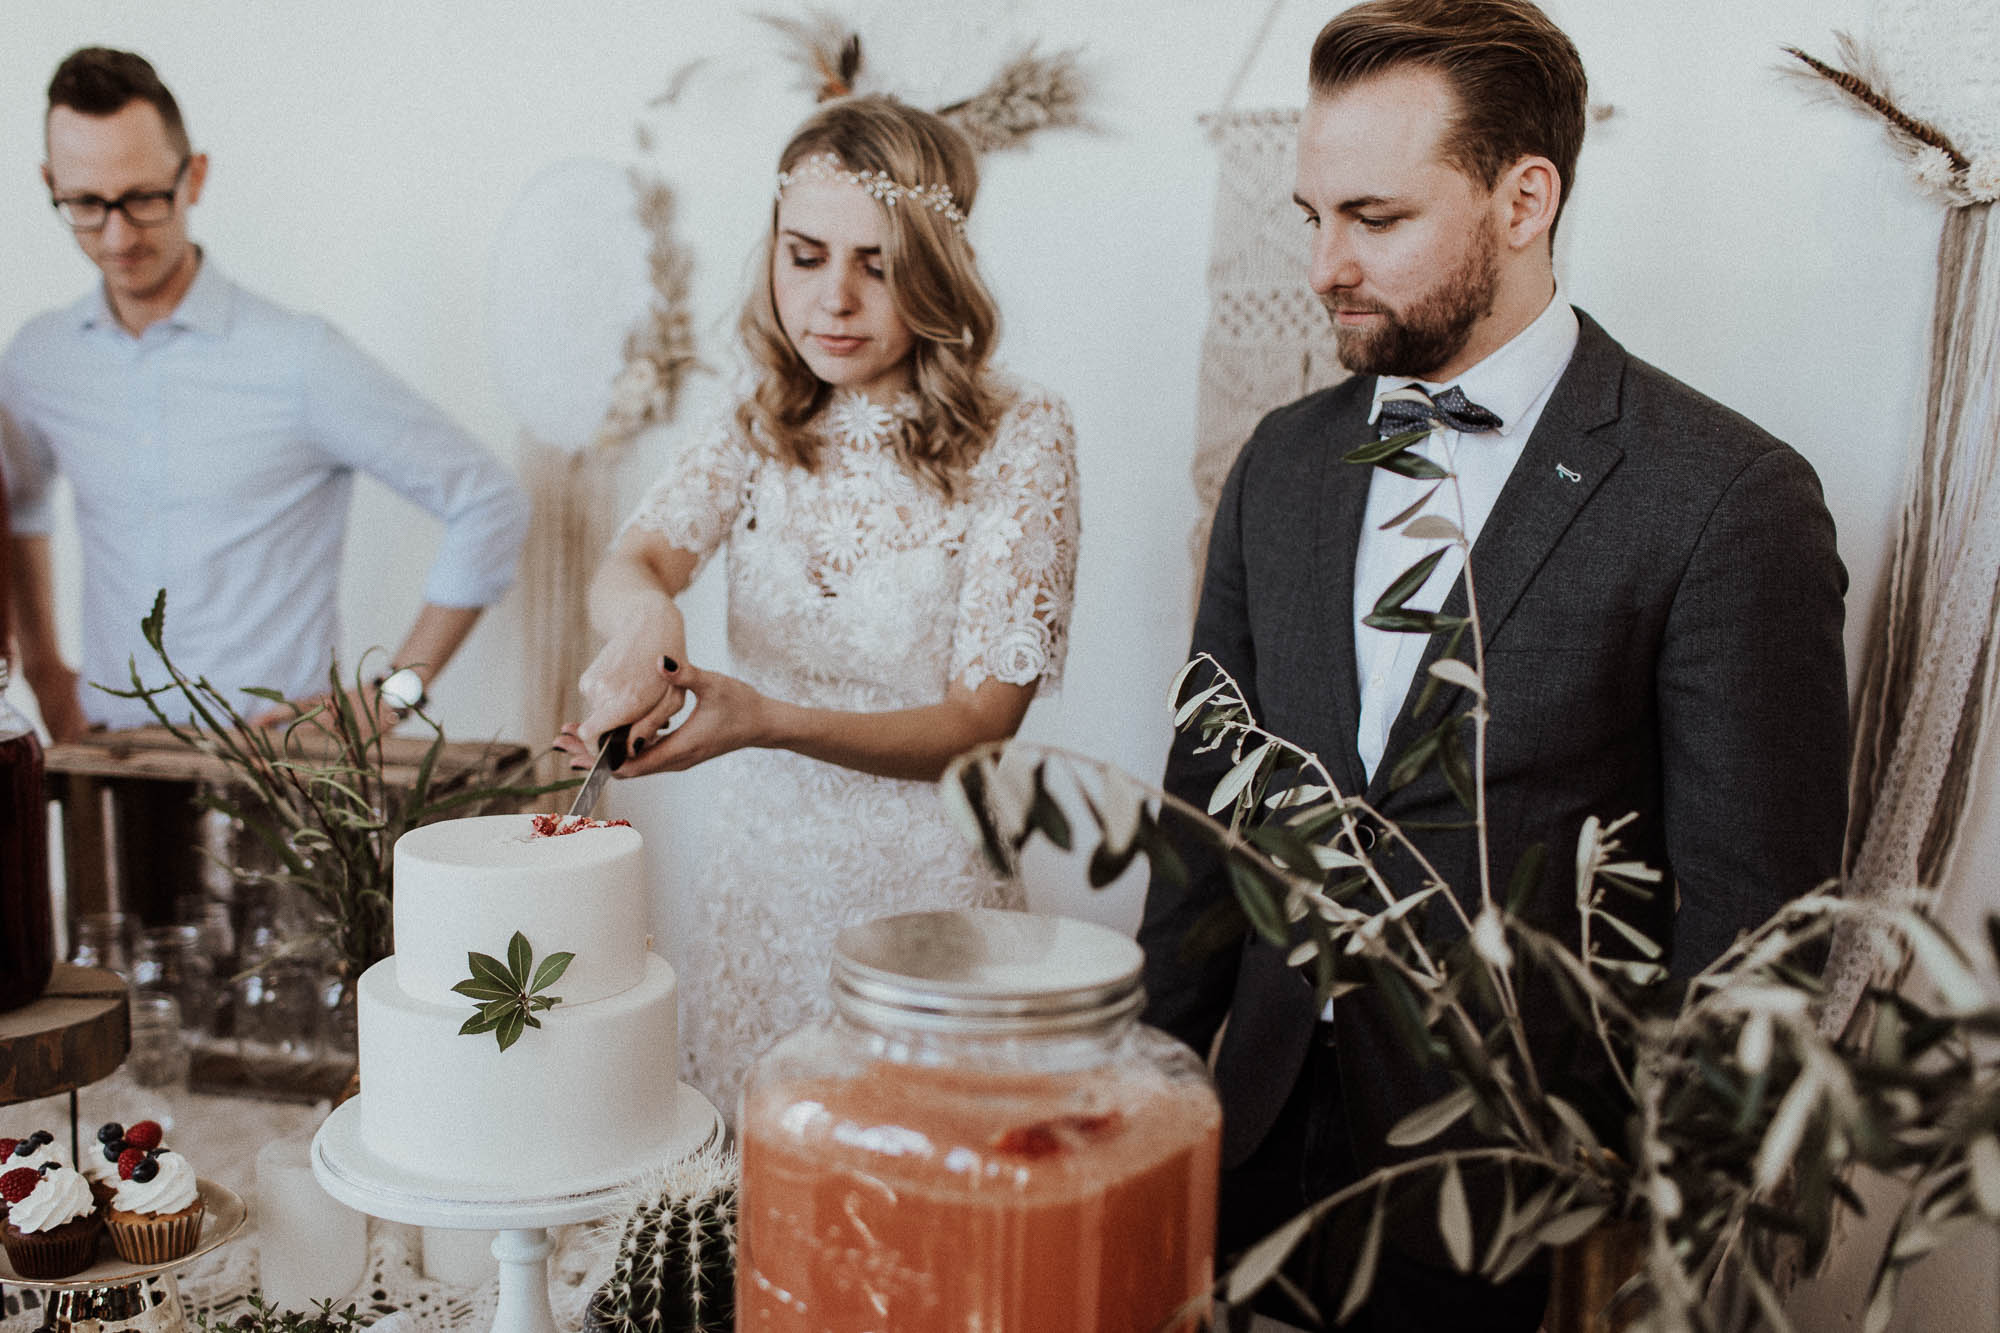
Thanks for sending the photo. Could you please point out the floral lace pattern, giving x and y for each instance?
(855, 586)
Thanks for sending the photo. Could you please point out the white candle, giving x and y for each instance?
(309, 1247)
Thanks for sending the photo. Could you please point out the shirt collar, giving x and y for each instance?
(1513, 378)
(204, 309)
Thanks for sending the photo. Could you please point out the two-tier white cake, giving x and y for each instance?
(571, 1105)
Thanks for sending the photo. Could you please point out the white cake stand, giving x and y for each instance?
(351, 1173)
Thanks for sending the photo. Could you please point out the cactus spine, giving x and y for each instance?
(674, 1269)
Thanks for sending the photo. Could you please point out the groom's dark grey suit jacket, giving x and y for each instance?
(1662, 605)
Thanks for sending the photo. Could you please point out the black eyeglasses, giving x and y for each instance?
(142, 208)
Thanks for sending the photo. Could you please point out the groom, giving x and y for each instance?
(1655, 576)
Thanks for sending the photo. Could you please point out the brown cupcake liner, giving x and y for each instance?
(146, 1238)
(57, 1252)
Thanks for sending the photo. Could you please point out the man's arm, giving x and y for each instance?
(1752, 689)
(42, 665)
(435, 637)
(1188, 992)
(372, 421)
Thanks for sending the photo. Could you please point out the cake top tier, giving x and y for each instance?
(509, 845)
(466, 885)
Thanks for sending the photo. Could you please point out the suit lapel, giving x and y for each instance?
(1343, 501)
(1564, 462)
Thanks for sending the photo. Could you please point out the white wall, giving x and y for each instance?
(1761, 247)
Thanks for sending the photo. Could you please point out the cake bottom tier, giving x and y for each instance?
(570, 1106)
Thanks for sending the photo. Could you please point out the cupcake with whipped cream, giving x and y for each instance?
(99, 1160)
(155, 1211)
(52, 1222)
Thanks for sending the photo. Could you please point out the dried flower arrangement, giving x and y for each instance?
(660, 349)
(1954, 177)
(1030, 92)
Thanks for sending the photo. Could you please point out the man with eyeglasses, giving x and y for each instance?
(211, 439)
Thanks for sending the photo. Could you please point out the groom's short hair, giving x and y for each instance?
(1517, 77)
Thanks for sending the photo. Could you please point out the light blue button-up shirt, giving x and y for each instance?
(214, 456)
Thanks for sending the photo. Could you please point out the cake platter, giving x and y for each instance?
(112, 1295)
(348, 1170)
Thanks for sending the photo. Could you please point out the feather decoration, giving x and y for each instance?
(1860, 83)
(826, 51)
(676, 84)
(1030, 92)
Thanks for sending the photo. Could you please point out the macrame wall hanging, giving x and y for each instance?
(589, 249)
(1267, 341)
(1928, 676)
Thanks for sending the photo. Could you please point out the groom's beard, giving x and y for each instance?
(1433, 329)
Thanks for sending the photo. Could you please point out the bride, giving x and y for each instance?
(900, 522)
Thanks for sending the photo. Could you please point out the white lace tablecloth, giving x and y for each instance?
(220, 1136)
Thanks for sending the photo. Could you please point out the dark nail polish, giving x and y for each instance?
(668, 665)
(638, 745)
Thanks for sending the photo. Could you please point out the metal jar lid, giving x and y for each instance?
(985, 972)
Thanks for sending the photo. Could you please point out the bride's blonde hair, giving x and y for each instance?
(932, 280)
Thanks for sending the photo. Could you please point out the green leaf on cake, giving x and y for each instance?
(551, 970)
(508, 995)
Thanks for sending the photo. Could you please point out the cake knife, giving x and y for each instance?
(610, 754)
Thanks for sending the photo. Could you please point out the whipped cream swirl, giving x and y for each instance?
(170, 1190)
(96, 1166)
(62, 1196)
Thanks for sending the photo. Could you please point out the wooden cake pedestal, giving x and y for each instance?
(348, 1171)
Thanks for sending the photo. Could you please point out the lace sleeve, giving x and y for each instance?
(696, 500)
(1020, 551)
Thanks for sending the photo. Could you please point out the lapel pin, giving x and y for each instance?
(1563, 470)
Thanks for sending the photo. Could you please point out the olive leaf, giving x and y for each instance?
(509, 994)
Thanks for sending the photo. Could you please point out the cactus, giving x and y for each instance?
(674, 1268)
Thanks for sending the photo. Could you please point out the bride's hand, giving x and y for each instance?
(728, 715)
(628, 682)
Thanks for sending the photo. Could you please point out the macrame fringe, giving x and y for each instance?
(575, 517)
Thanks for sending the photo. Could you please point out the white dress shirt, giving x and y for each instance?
(1514, 383)
(213, 456)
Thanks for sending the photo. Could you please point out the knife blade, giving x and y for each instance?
(610, 754)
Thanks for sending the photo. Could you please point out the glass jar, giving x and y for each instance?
(27, 917)
(981, 1136)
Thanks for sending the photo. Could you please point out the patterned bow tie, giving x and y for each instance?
(1451, 407)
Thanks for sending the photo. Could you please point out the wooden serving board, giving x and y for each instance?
(77, 1033)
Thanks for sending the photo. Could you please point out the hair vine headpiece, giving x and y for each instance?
(880, 186)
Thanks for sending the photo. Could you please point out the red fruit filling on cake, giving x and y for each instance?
(555, 826)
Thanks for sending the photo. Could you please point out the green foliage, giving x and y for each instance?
(508, 995)
(1726, 1121)
(264, 1317)
(330, 823)
(674, 1269)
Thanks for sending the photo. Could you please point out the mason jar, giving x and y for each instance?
(981, 1136)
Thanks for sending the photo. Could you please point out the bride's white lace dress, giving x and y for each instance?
(853, 587)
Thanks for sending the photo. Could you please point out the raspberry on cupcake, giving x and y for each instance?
(52, 1223)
